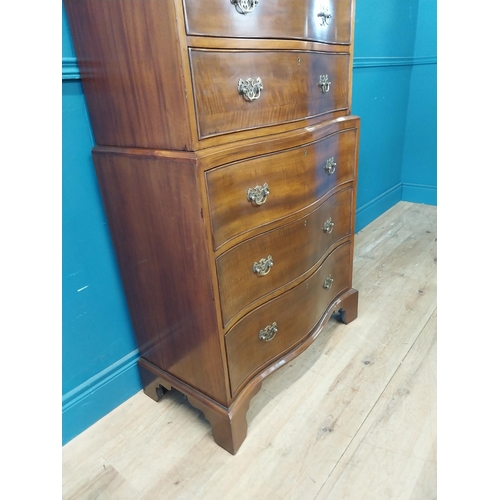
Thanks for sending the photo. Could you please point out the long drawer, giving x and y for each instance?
(266, 262)
(240, 90)
(272, 329)
(295, 179)
(327, 21)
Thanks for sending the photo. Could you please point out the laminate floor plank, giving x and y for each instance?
(393, 456)
(99, 480)
(317, 423)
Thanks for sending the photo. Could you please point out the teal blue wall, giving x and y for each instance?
(419, 173)
(99, 352)
(393, 92)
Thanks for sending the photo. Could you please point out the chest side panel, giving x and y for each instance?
(156, 221)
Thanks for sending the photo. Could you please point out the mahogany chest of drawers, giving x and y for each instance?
(226, 156)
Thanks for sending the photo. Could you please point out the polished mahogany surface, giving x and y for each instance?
(130, 72)
(145, 90)
(294, 249)
(291, 87)
(168, 284)
(295, 314)
(326, 21)
(296, 179)
(225, 144)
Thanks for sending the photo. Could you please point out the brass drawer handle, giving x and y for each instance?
(269, 332)
(258, 195)
(325, 17)
(328, 283)
(250, 89)
(244, 6)
(331, 166)
(324, 83)
(263, 266)
(328, 226)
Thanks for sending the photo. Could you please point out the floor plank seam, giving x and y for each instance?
(375, 404)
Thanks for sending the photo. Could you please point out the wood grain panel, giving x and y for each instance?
(156, 222)
(295, 312)
(295, 248)
(296, 180)
(291, 19)
(291, 87)
(129, 59)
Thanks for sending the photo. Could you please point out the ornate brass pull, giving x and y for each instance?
(331, 166)
(325, 17)
(263, 266)
(269, 332)
(258, 195)
(244, 6)
(328, 226)
(324, 83)
(328, 282)
(250, 89)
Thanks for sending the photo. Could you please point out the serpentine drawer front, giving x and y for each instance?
(241, 90)
(226, 156)
(266, 262)
(327, 21)
(295, 179)
(295, 313)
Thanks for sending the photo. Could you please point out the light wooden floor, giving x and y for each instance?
(353, 417)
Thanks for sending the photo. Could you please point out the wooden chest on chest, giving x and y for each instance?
(226, 156)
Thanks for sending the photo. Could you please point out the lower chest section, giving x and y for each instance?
(227, 268)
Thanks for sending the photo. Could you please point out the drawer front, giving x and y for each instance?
(327, 21)
(295, 178)
(290, 82)
(294, 313)
(266, 262)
